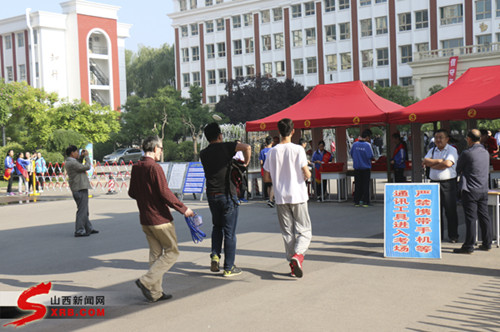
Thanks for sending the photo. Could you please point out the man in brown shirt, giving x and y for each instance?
(148, 186)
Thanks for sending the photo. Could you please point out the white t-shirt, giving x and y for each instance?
(284, 162)
(448, 153)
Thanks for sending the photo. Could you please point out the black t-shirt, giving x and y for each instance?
(215, 159)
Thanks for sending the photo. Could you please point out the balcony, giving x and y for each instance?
(462, 51)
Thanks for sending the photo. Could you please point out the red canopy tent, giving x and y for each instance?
(475, 95)
(332, 105)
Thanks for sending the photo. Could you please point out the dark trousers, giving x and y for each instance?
(362, 186)
(318, 188)
(224, 218)
(9, 186)
(399, 175)
(82, 224)
(476, 208)
(265, 189)
(448, 197)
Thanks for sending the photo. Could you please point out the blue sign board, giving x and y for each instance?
(195, 179)
(412, 220)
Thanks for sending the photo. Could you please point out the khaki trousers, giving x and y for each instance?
(163, 253)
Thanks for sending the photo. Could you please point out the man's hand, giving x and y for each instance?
(189, 213)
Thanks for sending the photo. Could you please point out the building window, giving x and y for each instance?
(405, 81)
(344, 4)
(406, 54)
(221, 49)
(368, 84)
(37, 70)
(266, 42)
(10, 74)
(195, 53)
(404, 21)
(196, 78)
(345, 61)
(236, 22)
(331, 62)
(330, 33)
(8, 42)
(250, 70)
(422, 47)
(382, 56)
(277, 14)
(297, 38)
(20, 39)
(421, 19)
(22, 72)
(222, 75)
(267, 69)
(182, 5)
(381, 25)
(35, 37)
(209, 3)
(483, 9)
(383, 83)
(344, 31)
(379, 1)
(238, 72)
(452, 14)
(298, 66)
(265, 16)
(296, 11)
(249, 45)
(452, 43)
(485, 42)
(310, 36)
(498, 8)
(278, 41)
(219, 1)
(220, 24)
(280, 68)
(309, 8)
(185, 54)
(184, 31)
(185, 78)
(238, 49)
(329, 6)
(367, 58)
(193, 4)
(194, 29)
(365, 2)
(311, 65)
(209, 26)
(366, 27)
(212, 99)
(247, 20)
(211, 77)
(210, 51)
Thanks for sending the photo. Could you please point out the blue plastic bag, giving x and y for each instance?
(194, 223)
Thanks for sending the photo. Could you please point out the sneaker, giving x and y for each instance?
(365, 205)
(233, 272)
(270, 204)
(296, 264)
(164, 297)
(243, 200)
(484, 247)
(214, 265)
(292, 274)
(463, 251)
(357, 205)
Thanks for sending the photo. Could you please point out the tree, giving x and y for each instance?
(62, 138)
(435, 88)
(396, 94)
(149, 70)
(255, 98)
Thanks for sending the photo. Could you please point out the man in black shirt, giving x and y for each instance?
(474, 166)
(222, 199)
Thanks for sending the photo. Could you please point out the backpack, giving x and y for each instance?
(236, 178)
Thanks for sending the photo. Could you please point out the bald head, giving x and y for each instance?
(473, 136)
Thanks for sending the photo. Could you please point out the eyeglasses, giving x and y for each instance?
(160, 147)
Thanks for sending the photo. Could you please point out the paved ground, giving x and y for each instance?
(348, 285)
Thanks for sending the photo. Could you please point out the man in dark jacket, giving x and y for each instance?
(473, 166)
(148, 186)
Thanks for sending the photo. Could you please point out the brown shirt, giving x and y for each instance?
(148, 186)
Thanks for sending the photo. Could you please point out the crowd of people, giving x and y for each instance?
(30, 170)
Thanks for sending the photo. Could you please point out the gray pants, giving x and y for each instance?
(295, 227)
(83, 224)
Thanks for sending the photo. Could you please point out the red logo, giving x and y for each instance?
(23, 304)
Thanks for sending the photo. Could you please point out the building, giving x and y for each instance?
(79, 54)
(328, 41)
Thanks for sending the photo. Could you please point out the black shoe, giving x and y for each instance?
(454, 240)
(81, 234)
(463, 251)
(94, 231)
(146, 292)
(484, 247)
(164, 297)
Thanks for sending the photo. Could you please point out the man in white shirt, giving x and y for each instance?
(442, 160)
(286, 166)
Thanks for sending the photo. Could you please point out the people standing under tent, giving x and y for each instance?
(490, 143)
(399, 158)
(362, 155)
(320, 156)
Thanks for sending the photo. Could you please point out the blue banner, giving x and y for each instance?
(195, 179)
(412, 220)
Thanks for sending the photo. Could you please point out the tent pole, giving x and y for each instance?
(416, 145)
(388, 151)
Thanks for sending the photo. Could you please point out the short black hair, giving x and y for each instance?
(366, 133)
(8, 152)
(150, 143)
(269, 140)
(302, 140)
(285, 127)
(473, 136)
(444, 131)
(396, 136)
(212, 131)
(70, 149)
(321, 142)
(484, 132)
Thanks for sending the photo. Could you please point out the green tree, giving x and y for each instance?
(149, 70)
(62, 138)
(396, 94)
(435, 88)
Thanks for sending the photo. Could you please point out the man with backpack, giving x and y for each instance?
(222, 197)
